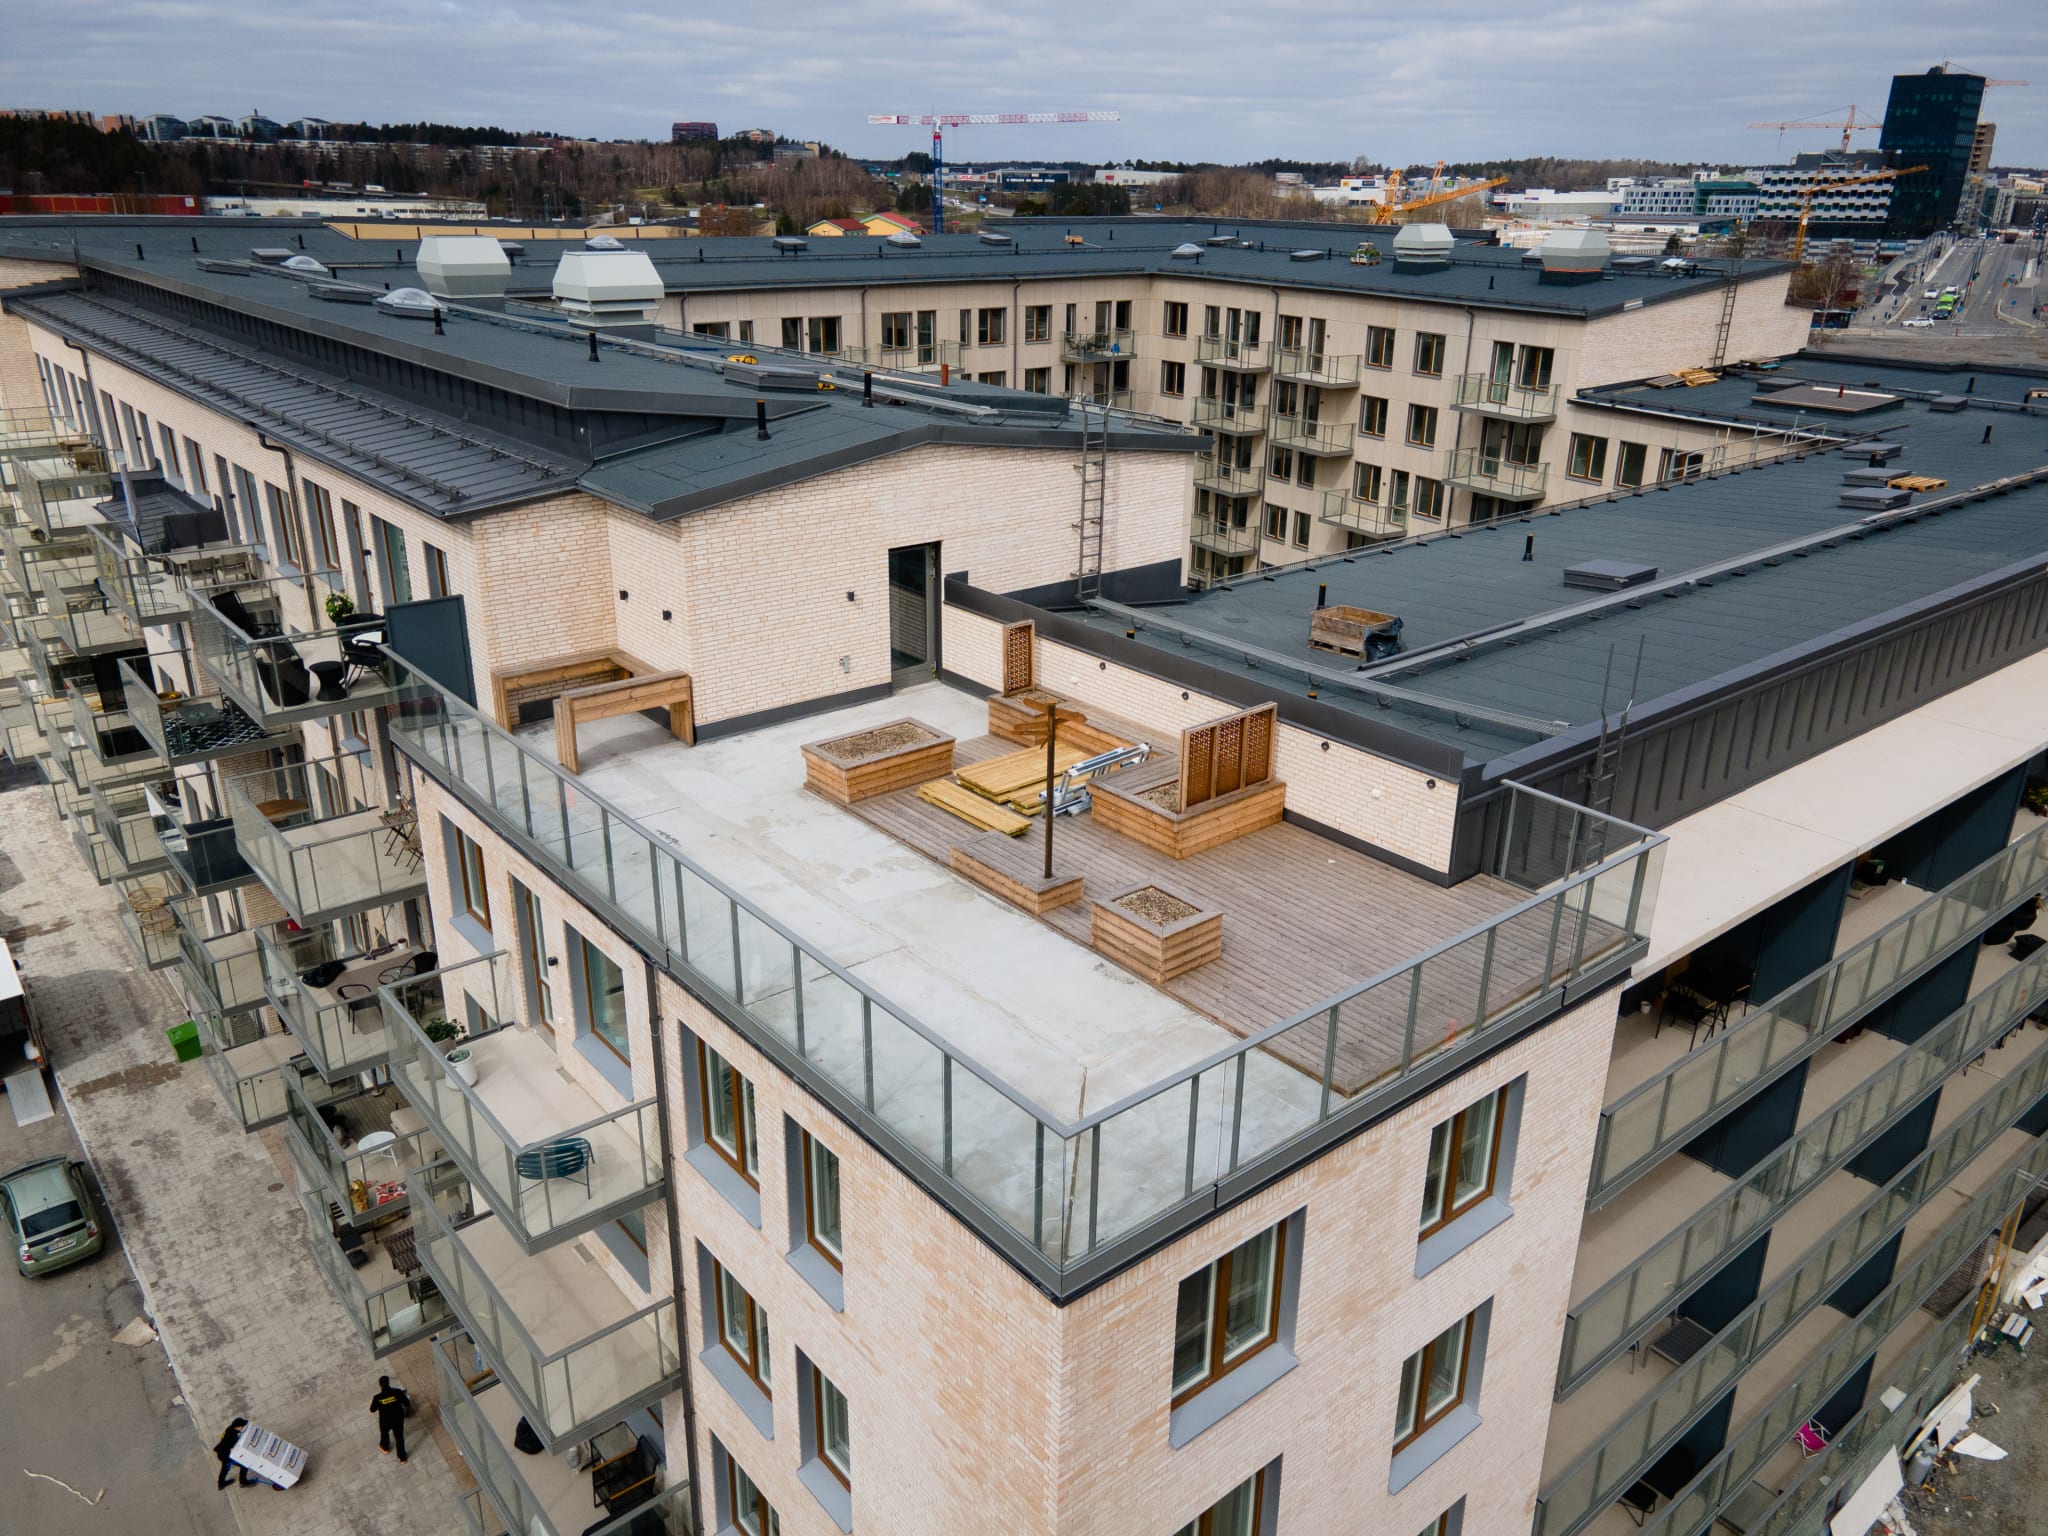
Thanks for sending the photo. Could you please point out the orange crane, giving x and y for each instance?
(1389, 211)
(1807, 194)
(1848, 127)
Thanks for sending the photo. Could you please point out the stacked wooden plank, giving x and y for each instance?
(972, 808)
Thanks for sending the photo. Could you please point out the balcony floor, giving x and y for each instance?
(561, 1299)
(521, 1084)
(354, 862)
(562, 1491)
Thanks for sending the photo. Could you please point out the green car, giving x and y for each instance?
(49, 1215)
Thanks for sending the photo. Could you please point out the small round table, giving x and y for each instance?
(330, 674)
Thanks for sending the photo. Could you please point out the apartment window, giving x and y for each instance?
(437, 569)
(1276, 522)
(1175, 320)
(1450, 1523)
(743, 1329)
(751, 1513)
(290, 548)
(1038, 381)
(821, 334)
(1422, 425)
(473, 884)
(1588, 458)
(603, 1005)
(896, 331)
(1290, 332)
(1379, 346)
(831, 1427)
(1073, 324)
(1365, 482)
(1227, 1313)
(1000, 378)
(169, 439)
(195, 469)
(1372, 416)
(746, 331)
(1397, 484)
(533, 954)
(1212, 320)
(793, 335)
(1628, 464)
(1429, 352)
(966, 327)
(1240, 1512)
(726, 1100)
(1038, 322)
(1173, 378)
(394, 571)
(320, 517)
(1679, 464)
(1534, 372)
(352, 532)
(1464, 1153)
(821, 1198)
(1286, 398)
(992, 327)
(714, 328)
(1301, 526)
(251, 506)
(1429, 497)
(1433, 1381)
(1280, 463)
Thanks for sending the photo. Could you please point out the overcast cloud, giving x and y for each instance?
(1461, 79)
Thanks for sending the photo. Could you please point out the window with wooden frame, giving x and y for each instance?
(475, 893)
(1038, 323)
(1433, 1381)
(742, 1328)
(830, 1427)
(751, 1513)
(533, 944)
(1464, 1155)
(1372, 416)
(320, 517)
(1429, 353)
(437, 570)
(1588, 459)
(1174, 320)
(1239, 1512)
(1227, 1313)
(727, 1104)
(821, 1199)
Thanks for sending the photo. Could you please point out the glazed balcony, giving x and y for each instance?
(32, 720)
(319, 838)
(574, 1350)
(1113, 399)
(223, 971)
(256, 1072)
(203, 854)
(95, 848)
(359, 1151)
(156, 588)
(146, 916)
(122, 813)
(617, 1477)
(28, 562)
(1503, 398)
(327, 996)
(84, 620)
(552, 1161)
(1215, 474)
(1215, 414)
(106, 729)
(1325, 370)
(1327, 439)
(375, 1272)
(1368, 519)
(1240, 356)
(182, 730)
(272, 649)
(1223, 537)
(1492, 474)
(1098, 346)
(60, 496)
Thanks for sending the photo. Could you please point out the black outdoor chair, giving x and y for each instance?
(285, 678)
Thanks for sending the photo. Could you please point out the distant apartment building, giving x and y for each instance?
(1981, 142)
(1861, 212)
(691, 133)
(1930, 120)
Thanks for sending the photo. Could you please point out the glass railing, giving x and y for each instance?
(203, 854)
(29, 561)
(319, 837)
(104, 727)
(1318, 437)
(255, 1071)
(1211, 473)
(141, 587)
(386, 1314)
(1059, 1195)
(1218, 415)
(95, 849)
(1223, 536)
(1343, 510)
(1089, 346)
(183, 729)
(362, 1186)
(143, 909)
(1222, 352)
(30, 721)
(224, 969)
(568, 1391)
(664, 1512)
(1330, 370)
(1493, 474)
(271, 648)
(1771, 1429)
(906, 359)
(1611, 1317)
(1644, 1125)
(527, 1178)
(1115, 399)
(341, 1024)
(122, 812)
(61, 495)
(1502, 397)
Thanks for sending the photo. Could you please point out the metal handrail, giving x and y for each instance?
(1501, 476)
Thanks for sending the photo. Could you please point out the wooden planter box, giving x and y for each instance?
(1183, 834)
(1013, 868)
(1158, 947)
(871, 762)
(1020, 717)
(1342, 628)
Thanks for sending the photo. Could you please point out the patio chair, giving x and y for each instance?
(1812, 1439)
(231, 607)
(1638, 1500)
(569, 1158)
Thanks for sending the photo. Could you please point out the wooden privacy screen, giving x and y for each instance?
(1018, 672)
(1224, 756)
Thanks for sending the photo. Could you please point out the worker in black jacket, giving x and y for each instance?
(391, 1405)
(224, 1452)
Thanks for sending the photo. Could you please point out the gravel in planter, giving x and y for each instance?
(885, 738)
(1157, 906)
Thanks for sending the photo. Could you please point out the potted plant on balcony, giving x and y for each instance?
(2036, 799)
(439, 1030)
(339, 606)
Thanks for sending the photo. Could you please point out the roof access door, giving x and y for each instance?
(913, 614)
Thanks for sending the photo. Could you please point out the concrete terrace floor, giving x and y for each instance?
(207, 1215)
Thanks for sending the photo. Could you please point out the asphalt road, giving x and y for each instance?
(2000, 286)
(104, 1417)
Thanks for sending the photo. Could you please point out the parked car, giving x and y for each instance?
(1920, 322)
(49, 1214)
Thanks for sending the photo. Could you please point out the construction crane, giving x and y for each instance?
(1807, 194)
(1848, 127)
(1389, 210)
(939, 122)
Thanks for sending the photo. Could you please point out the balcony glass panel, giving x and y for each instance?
(1214, 414)
(104, 727)
(1097, 346)
(1492, 474)
(122, 812)
(335, 1013)
(85, 620)
(1330, 370)
(253, 1070)
(552, 1161)
(1222, 352)
(146, 916)
(1343, 510)
(270, 646)
(1215, 474)
(203, 854)
(61, 495)
(225, 969)
(1223, 536)
(1497, 397)
(573, 1348)
(1330, 438)
(360, 1150)
(95, 849)
(1115, 399)
(319, 838)
(181, 729)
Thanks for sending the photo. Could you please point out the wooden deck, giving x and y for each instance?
(1303, 917)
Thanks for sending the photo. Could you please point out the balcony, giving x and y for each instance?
(60, 496)
(83, 619)
(1490, 474)
(618, 1476)
(574, 1351)
(514, 1121)
(31, 721)
(223, 970)
(1333, 439)
(95, 848)
(183, 730)
(203, 854)
(1113, 399)
(1504, 399)
(256, 1072)
(122, 814)
(375, 1272)
(359, 1151)
(1240, 356)
(319, 839)
(153, 589)
(340, 1022)
(919, 357)
(271, 648)
(1325, 370)
(1368, 519)
(1097, 346)
(1214, 474)
(148, 919)
(1222, 537)
(105, 728)
(1213, 414)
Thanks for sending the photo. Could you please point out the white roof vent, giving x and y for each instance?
(306, 265)
(602, 243)
(607, 287)
(1187, 250)
(409, 303)
(464, 266)
(1575, 253)
(905, 238)
(1423, 245)
(995, 237)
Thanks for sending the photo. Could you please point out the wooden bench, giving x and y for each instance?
(670, 690)
(513, 687)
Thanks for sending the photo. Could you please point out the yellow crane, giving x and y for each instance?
(1850, 127)
(1390, 211)
(1807, 194)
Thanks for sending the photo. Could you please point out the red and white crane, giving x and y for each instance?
(939, 122)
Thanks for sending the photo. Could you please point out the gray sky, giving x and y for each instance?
(1460, 79)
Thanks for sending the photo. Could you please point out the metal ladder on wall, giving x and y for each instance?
(1727, 314)
(1094, 471)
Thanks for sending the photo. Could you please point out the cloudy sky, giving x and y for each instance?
(1239, 80)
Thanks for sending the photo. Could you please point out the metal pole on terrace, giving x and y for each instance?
(1052, 731)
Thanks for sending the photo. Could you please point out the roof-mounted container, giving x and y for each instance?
(1423, 247)
(467, 268)
(607, 288)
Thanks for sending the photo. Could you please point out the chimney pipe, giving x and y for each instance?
(138, 252)
(867, 389)
(593, 346)
(195, 245)
(1322, 593)
(761, 421)
(302, 242)
(945, 369)
(1528, 547)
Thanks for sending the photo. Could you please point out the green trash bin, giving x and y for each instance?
(184, 1040)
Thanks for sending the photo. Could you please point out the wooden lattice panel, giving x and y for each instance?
(1018, 647)
(1224, 756)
